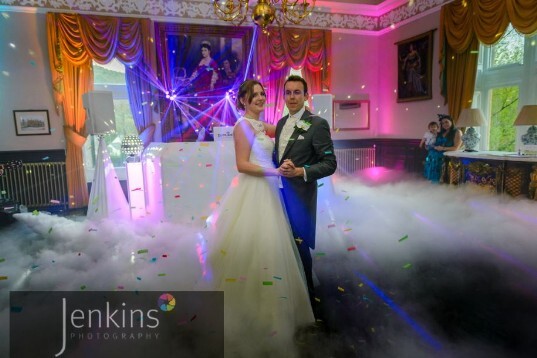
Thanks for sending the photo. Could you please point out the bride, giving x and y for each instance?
(253, 257)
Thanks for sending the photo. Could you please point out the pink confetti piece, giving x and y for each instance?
(120, 287)
(136, 189)
(208, 165)
(352, 248)
(54, 201)
(331, 226)
(177, 196)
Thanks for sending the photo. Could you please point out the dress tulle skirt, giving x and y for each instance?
(254, 260)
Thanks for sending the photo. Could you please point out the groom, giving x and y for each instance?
(304, 152)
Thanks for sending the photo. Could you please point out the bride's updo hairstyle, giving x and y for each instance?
(246, 92)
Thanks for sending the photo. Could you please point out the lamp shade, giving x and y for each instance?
(471, 117)
(527, 116)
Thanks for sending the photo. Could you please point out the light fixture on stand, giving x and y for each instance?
(264, 12)
(528, 117)
(132, 146)
(470, 118)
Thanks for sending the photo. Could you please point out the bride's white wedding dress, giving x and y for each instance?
(255, 262)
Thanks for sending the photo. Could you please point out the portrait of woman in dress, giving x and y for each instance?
(205, 75)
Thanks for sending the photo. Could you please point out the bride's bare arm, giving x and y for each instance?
(270, 129)
(243, 135)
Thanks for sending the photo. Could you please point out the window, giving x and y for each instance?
(111, 77)
(506, 77)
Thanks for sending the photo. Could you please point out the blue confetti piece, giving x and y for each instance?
(154, 259)
(328, 152)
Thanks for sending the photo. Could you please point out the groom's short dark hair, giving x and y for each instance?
(295, 78)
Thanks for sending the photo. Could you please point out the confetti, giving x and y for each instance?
(161, 274)
(178, 196)
(403, 238)
(139, 278)
(320, 254)
(120, 287)
(347, 198)
(231, 280)
(2, 259)
(360, 285)
(277, 278)
(54, 201)
(204, 144)
(299, 240)
(208, 165)
(164, 255)
(83, 287)
(34, 267)
(223, 252)
(341, 289)
(3, 278)
(49, 230)
(347, 230)
(90, 230)
(193, 318)
(373, 329)
(352, 248)
(136, 189)
(154, 259)
(328, 152)
(204, 217)
(317, 299)
(331, 226)
(45, 158)
(35, 212)
(143, 251)
(407, 266)
(267, 283)
(320, 185)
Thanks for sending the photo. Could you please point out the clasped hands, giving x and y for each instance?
(288, 169)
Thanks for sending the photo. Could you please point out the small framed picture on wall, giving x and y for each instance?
(414, 60)
(31, 122)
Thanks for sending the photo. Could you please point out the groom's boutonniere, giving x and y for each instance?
(302, 126)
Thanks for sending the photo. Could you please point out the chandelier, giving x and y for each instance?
(264, 12)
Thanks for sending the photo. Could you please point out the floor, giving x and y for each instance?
(406, 268)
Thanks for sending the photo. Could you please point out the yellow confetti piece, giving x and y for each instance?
(3, 278)
(317, 299)
(341, 289)
(143, 251)
(299, 240)
(360, 285)
(373, 329)
(161, 274)
(223, 252)
(267, 283)
(347, 230)
(204, 144)
(231, 280)
(407, 266)
(204, 217)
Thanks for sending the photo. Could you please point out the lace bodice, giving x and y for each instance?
(263, 145)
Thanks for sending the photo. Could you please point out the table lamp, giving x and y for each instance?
(470, 118)
(528, 117)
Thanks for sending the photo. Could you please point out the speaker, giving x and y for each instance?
(100, 116)
(322, 106)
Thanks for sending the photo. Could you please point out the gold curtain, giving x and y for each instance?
(463, 23)
(73, 41)
(283, 48)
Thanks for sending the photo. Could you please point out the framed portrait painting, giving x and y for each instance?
(199, 70)
(414, 61)
(31, 122)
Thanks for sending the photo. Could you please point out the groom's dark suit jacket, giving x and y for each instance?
(313, 150)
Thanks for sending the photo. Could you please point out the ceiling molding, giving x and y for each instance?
(343, 17)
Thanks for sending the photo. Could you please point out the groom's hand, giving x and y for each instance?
(288, 169)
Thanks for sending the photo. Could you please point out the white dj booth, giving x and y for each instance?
(185, 181)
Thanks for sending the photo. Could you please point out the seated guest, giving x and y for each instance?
(449, 139)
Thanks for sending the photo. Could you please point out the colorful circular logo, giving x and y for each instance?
(166, 302)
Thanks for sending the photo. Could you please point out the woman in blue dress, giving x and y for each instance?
(448, 139)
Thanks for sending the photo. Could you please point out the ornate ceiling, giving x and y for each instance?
(369, 16)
